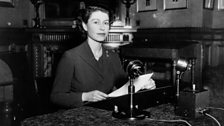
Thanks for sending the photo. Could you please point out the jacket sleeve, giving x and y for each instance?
(61, 92)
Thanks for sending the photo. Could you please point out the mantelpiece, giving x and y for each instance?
(187, 34)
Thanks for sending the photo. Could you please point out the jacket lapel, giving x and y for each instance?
(87, 56)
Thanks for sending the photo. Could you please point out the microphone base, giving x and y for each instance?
(136, 115)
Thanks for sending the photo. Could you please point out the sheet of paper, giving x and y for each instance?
(139, 83)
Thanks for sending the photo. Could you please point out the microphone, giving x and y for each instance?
(135, 68)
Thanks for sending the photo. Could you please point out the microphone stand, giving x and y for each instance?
(131, 91)
(133, 111)
(178, 85)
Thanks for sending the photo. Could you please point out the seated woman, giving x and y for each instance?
(88, 72)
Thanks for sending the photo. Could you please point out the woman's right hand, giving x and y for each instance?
(93, 96)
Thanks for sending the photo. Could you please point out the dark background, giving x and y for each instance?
(70, 8)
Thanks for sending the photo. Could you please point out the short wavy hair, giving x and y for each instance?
(89, 10)
(85, 15)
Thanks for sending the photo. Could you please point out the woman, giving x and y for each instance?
(88, 72)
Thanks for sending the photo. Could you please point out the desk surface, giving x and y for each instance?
(88, 116)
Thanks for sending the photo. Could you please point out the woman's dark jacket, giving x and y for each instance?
(78, 71)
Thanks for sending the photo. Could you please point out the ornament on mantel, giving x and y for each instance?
(36, 4)
(128, 4)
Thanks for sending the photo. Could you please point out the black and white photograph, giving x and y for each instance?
(209, 4)
(175, 4)
(111, 63)
(220, 4)
(146, 5)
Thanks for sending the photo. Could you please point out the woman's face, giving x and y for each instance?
(97, 26)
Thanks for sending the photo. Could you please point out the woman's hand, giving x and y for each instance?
(144, 82)
(149, 85)
(93, 96)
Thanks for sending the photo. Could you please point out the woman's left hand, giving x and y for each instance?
(149, 85)
(144, 82)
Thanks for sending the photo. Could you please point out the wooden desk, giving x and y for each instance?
(88, 116)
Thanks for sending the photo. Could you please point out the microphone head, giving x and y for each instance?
(135, 68)
(182, 65)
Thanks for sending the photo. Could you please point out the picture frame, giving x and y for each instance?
(220, 4)
(209, 4)
(175, 4)
(146, 5)
(6, 3)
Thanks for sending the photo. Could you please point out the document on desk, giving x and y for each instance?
(140, 83)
